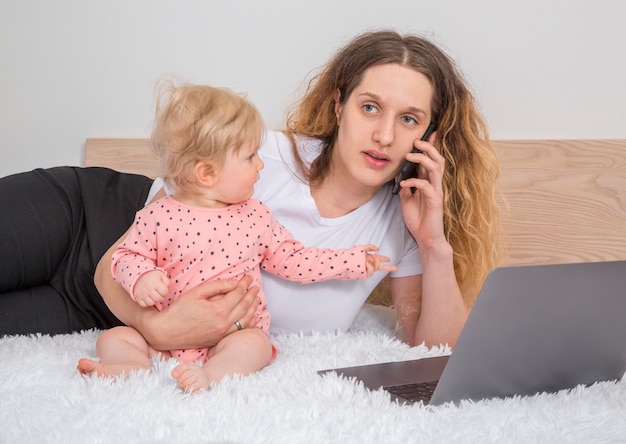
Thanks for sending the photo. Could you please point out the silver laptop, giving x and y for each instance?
(533, 329)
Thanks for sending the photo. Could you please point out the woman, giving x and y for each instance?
(329, 177)
(344, 145)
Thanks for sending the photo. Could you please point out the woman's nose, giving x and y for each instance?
(384, 132)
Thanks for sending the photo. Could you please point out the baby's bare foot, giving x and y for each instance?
(191, 378)
(89, 367)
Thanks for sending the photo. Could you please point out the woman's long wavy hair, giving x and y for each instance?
(471, 214)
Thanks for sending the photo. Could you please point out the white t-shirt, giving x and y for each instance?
(331, 305)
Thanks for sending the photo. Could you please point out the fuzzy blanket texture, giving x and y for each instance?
(44, 399)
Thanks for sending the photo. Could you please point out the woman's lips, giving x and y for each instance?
(376, 160)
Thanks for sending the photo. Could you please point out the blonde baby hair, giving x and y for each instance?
(200, 122)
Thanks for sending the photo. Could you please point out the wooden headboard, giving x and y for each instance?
(565, 199)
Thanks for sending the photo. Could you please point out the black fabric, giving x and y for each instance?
(55, 224)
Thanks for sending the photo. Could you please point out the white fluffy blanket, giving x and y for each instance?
(44, 400)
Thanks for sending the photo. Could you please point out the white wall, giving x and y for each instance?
(73, 69)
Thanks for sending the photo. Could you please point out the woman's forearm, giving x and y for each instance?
(118, 300)
(443, 310)
(406, 295)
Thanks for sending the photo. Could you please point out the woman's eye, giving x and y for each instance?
(369, 108)
(409, 120)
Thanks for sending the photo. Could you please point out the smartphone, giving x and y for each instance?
(409, 169)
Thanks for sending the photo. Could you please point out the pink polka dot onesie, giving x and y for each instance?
(193, 245)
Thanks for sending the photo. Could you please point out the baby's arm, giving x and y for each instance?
(375, 262)
(135, 258)
(151, 288)
(288, 259)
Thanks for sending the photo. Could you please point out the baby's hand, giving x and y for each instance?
(151, 288)
(375, 262)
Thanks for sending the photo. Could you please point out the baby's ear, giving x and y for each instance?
(206, 173)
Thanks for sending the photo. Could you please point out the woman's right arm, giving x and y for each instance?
(438, 299)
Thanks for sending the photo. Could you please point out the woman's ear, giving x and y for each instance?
(337, 105)
(206, 173)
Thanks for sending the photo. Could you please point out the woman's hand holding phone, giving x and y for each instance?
(409, 169)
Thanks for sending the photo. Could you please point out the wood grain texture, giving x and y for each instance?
(125, 155)
(565, 199)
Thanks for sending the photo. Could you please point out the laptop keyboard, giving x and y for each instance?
(414, 392)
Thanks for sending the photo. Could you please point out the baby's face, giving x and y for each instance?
(239, 173)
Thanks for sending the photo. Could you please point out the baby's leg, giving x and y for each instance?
(121, 350)
(242, 352)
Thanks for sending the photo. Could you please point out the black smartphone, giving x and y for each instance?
(409, 169)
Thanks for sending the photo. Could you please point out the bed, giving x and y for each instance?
(564, 200)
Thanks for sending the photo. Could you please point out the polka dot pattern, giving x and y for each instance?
(196, 245)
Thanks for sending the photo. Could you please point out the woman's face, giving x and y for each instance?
(379, 123)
